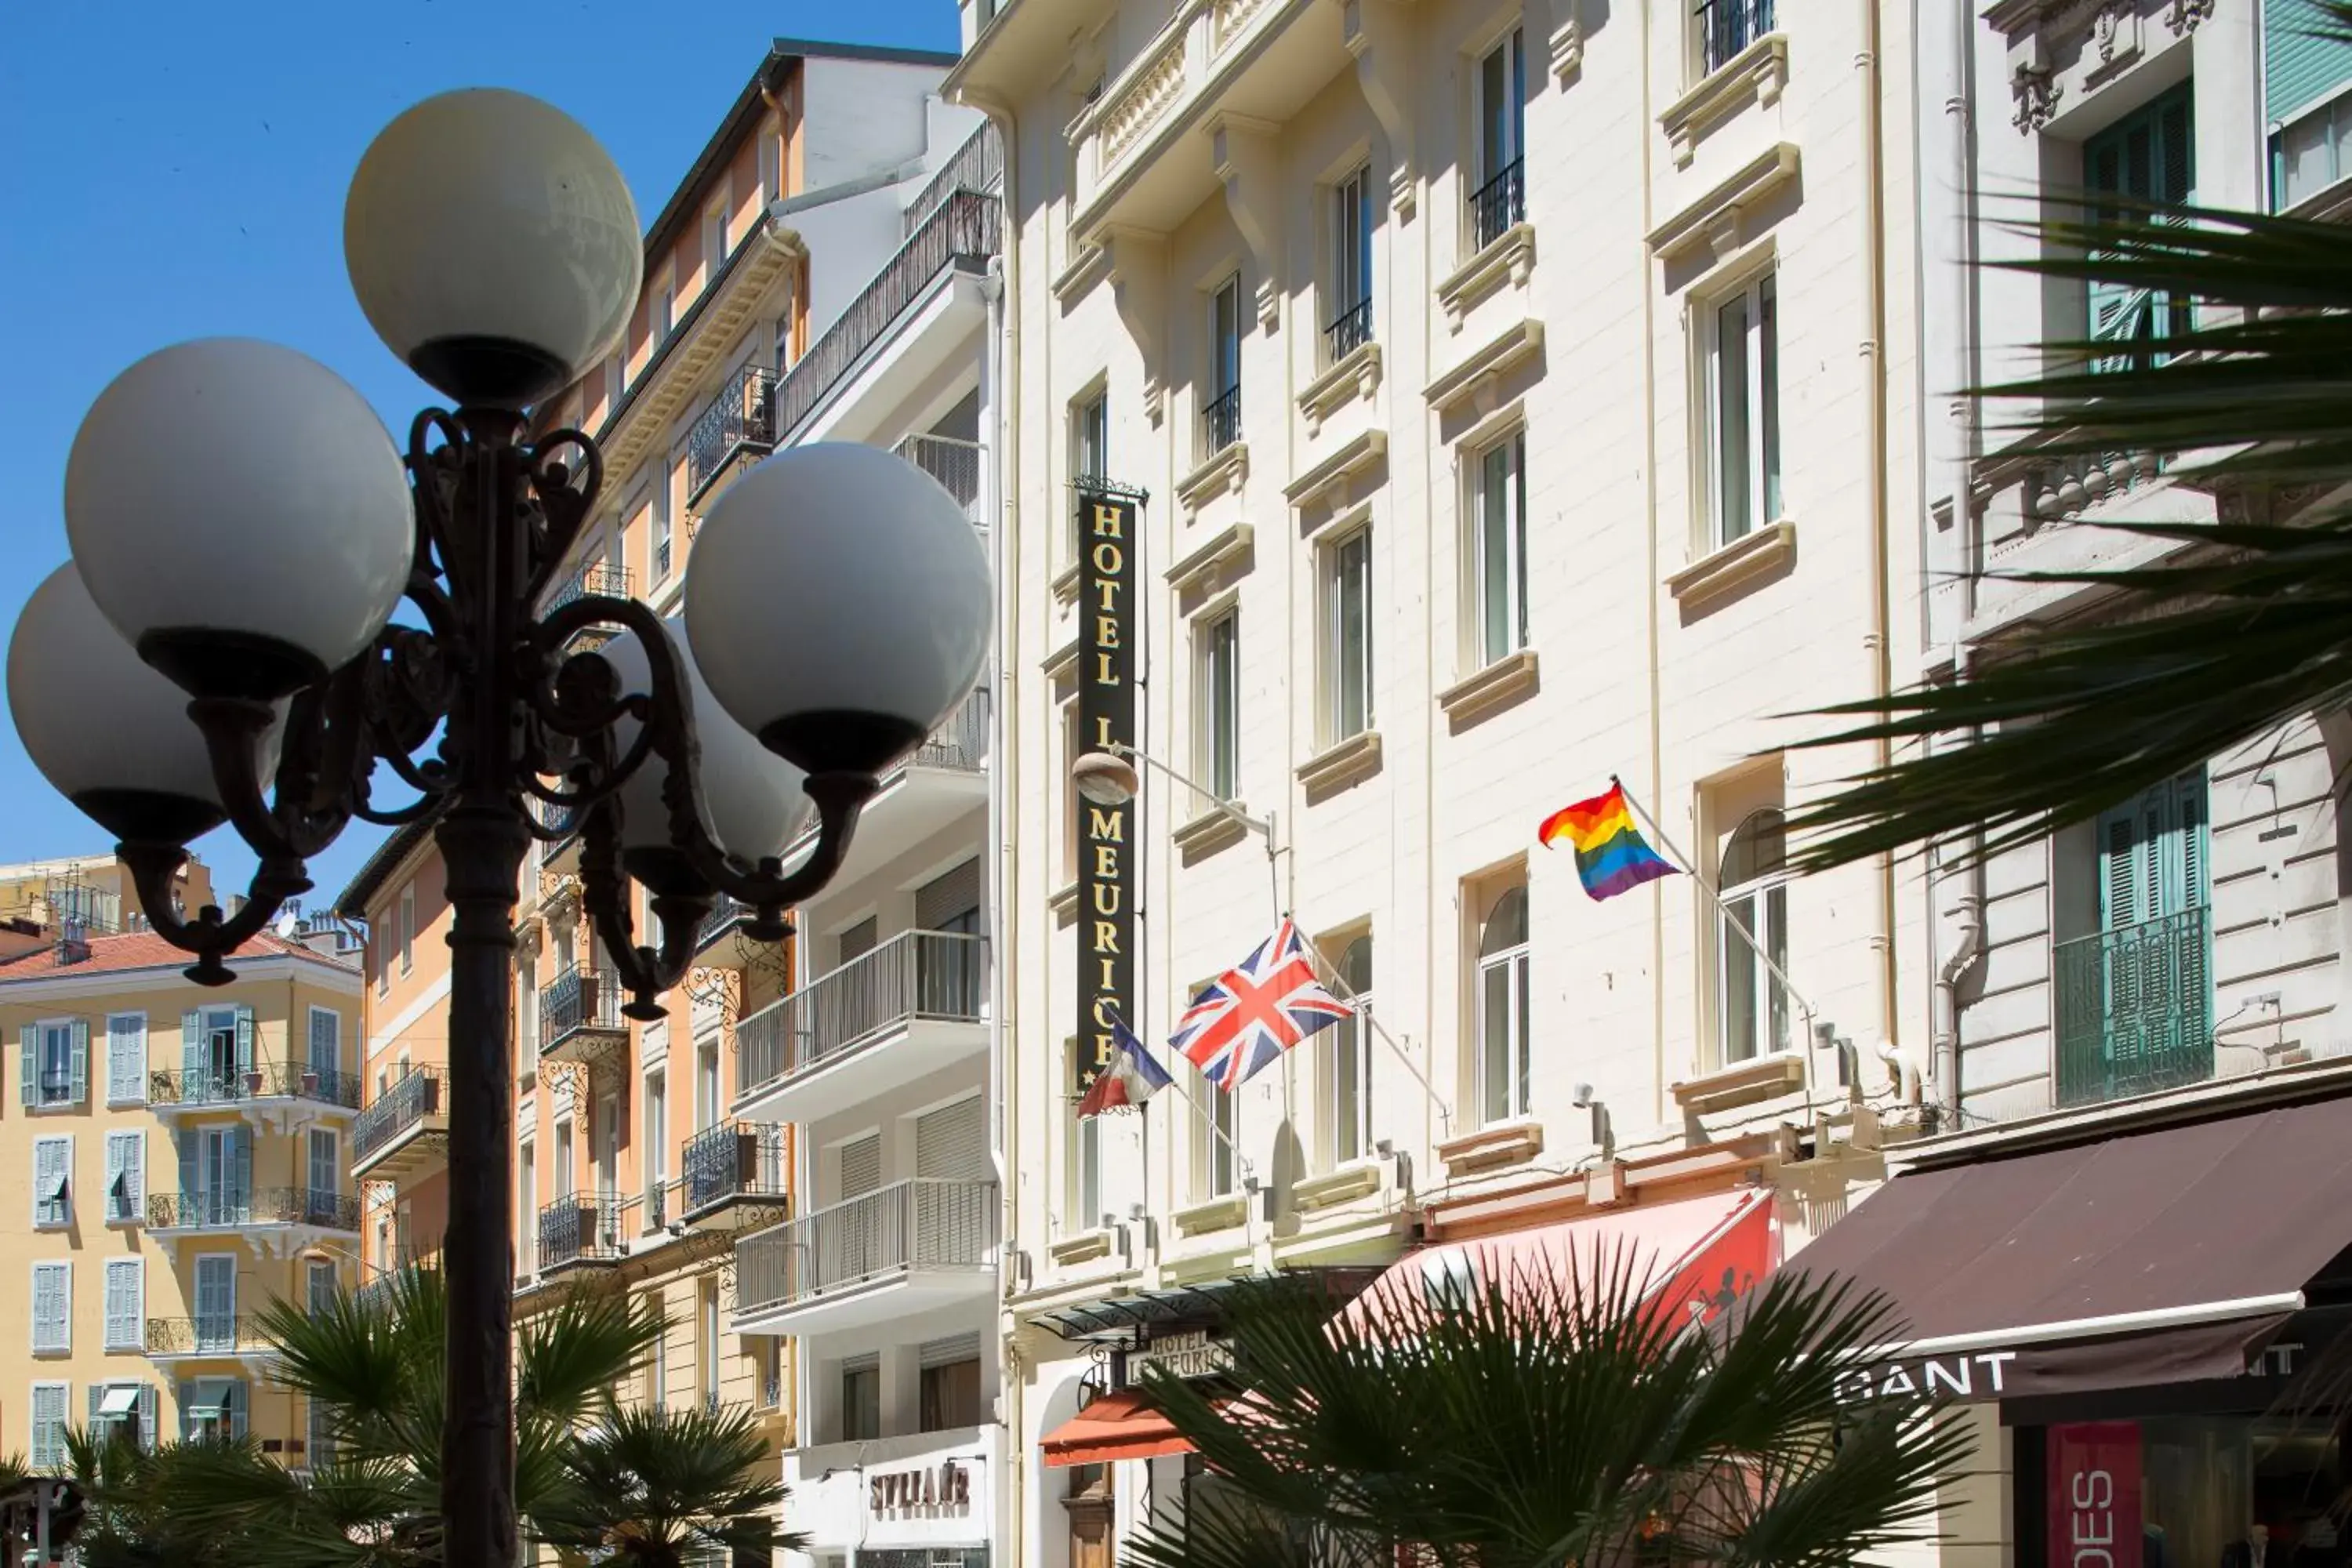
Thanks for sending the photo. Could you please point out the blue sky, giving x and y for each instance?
(176, 171)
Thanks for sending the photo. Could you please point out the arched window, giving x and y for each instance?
(1348, 1061)
(1752, 1002)
(1502, 1006)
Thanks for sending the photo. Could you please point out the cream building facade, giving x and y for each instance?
(1523, 395)
(176, 1155)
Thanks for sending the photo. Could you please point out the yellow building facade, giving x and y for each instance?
(177, 1155)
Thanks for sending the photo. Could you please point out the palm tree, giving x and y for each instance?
(659, 1487)
(2247, 626)
(1529, 1423)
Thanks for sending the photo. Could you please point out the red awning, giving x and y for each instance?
(1695, 1253)
(1122, 1425)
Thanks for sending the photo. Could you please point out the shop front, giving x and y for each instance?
(922, 1500)
(2148, 1333)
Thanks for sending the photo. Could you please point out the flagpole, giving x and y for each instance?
(1177, 1084)
(1354, 998)
(1715, 897)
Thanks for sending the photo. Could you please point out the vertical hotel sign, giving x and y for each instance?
(1108, 838)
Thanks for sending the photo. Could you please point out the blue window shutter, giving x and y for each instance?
(2300, 65)
(242, 1190)
(237, 1408)
(186, 1139)
(81, 1060)
(192, 1048)
(187, 1398)
(147, 1433)
(244, 1039)
(28, 1051)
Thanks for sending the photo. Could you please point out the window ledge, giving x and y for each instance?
(136, 1104)
(1332, 475)
(54, 1107)
(1509, 257)
(1492, 1148)
(1062, 663)
(1765, 553)
(1758, 72)
(1354, 375)
(1352, 1180)
(1084, 1248)
(1214, 563)
(1206, 834)
(1085, 267)
(1475, 376)
(1064, 903)
(1340, 763)
(1716, 223)
(1217, 1214)
(1740, 1084)
(1065, 584)
(1221, 473)
(1505, 681)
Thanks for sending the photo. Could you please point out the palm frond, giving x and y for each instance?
(650, 1483)
(2234, 631)
(569, 1356)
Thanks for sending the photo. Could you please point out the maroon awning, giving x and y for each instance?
(2165, 1256)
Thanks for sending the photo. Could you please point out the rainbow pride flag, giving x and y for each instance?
(1611, 856)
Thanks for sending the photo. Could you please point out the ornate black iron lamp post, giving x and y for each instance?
(243, 530)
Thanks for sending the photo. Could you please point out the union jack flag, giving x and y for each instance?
(1255, 1011)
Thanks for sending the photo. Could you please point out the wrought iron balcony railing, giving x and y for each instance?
(601, 578)
(2135, 1008)
(1221, 422)
(381, 1290)
(398, 1108)
(233, 1209)
(263, 1080)
(581, 1228)
(726, 914)
(576, 1000)
(916, 974)
(916, 1223)
(1499, 204)
(1350, 330)
(741, 419)
(963, 233)
(205, 1334)
(733, 1161)
(1727, 26)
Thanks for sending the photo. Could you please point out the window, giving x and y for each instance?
(657, 1142)
(526, 1013)
(1726, 26)
(2311, 152)
(326, 1173)
(1221, 417)
(2306, 68)
(52, 1181)
(560, 1172)
(1752, 946)
(1348, 637)
(707, 1099)
(407, 933)
(52, 1308)
(55, 1065)
(126, 1176)
(1085, 1151)
(661, 310)
(212, 1410)
(320, 1293)
(1212, 1144)
(1743, 408)
(1091, 439)
(2149, 156)
(49, 1409)
(657, 1371)
(126, 1303)
(949, 1395)
(861, 1400)
(124, 1413)
(1347, 1077)
(705, 1342)
(771, 163)
(1499, 199)
(126, 1058)
(1502, 1008)
(1499, 549)
(319, 1433)
(714, 239)
(1351, 326)
(526, 1210)
(662, 531)
(326, 1049)
(1217, 712)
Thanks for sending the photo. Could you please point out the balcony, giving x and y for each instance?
(271, 1090)
(405, 1133)
(954, 462)
(209, 1337)
(1498, 205)
(977, 166)
(2135, 1009)
(913, 1007)
(251, 1210)
(602, 579)
(739, 427)
(960, 236)
(733, 1166)
(579, 1231)
(381, 1290)
(580, 1018)
(909, 1248)
(943, 782)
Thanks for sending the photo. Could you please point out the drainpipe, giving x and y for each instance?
(1873, 354)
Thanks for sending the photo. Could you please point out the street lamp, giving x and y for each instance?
(243, 530)
(1109, 777)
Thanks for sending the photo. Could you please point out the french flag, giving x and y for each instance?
(1128, 1079)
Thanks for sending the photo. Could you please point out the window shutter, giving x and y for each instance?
(948, 1352)
(81, 1060)
(125, 1303)
(126, 1055)
(948, 896)
(861, 1166)
(950, 1142)
(237, 1408)
(148, 1435)
(96, 1393)
(859, 940)
(186, 1139)
(241, 1181)
(134, 1174)
(2300, 68)
(2119, 869)
(326, 1042)
(244, 1038)
(28, 1051)
(192, 1042)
